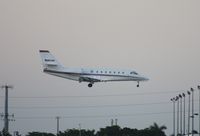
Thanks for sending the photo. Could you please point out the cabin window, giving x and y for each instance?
(110, 72)
(118, 72)
(105, 71)
(114, 72)
(91, 71)
(122, 72)
(101, 71)
(97, 71)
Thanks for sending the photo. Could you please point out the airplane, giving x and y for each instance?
(92, 75)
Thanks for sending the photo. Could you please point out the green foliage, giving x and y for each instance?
(39, 134)
(129, 132)
(110, 131)
(195, 132)
(153, 130)
(77, 132)
(4, 133)
(157, 131)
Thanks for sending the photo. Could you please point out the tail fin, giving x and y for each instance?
(49, 61)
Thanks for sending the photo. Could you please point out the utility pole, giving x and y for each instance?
(6, 115)
(57, 118)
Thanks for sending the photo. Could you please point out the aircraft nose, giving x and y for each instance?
(145, 78)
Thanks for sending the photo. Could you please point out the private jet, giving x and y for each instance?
(91, 75)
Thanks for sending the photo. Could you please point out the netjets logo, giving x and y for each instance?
(49, 60)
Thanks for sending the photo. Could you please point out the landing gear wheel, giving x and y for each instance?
(90, 85)
(138, 85)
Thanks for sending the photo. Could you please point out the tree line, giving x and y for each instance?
(153, 130)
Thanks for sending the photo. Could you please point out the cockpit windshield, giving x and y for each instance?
(133, 72)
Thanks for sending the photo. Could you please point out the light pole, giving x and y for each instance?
(181, 125)
(183, 113)
(180, 96)
(173, 100)
(199, 108)
(192, 90)
(177, 99)
(79, 129)
(188, 113)
(57, 118)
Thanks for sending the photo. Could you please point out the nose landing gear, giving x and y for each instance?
(138, 85)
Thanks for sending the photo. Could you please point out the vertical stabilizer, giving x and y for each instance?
(49, 61)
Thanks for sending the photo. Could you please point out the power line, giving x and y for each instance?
(98, 116)
(86, 96)
(95, 116)
(88, 106)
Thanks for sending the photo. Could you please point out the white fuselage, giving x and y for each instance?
(100, 75)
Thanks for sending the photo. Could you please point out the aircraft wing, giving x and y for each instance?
(89, 78)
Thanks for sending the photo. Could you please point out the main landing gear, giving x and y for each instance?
(90, 85)
(138, 85)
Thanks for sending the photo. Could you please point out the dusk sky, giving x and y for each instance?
(159, 39)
